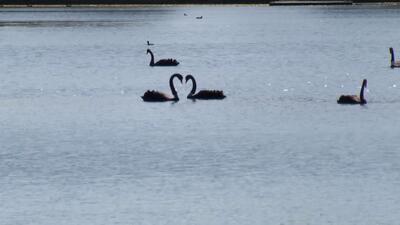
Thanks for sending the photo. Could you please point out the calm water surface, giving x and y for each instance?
(78, 145)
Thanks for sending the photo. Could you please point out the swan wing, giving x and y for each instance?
(210, 94)
(155, 96)
(396, 64)
(349, 99)
(167, 62)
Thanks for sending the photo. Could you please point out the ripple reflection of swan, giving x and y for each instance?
(393, 63)
(354, 99)
(162, 62)
(148, 43)
(156, 96)
(203, 94)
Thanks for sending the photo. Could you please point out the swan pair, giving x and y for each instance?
(354, 99)
(156, 96)
(161, 62)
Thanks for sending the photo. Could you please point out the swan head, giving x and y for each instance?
(179, 76)
(364, 83)
(188, 77)
(148, 51)
(391, 53)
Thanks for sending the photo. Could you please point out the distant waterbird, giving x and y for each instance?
(156, 96)
(161, 62)
(354, 99)
(203, 94)
(393, 63)
(199, 17)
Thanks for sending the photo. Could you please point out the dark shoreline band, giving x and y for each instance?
(135, 3)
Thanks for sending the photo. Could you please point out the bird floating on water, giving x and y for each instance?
(203, 94)
(354, 99)
(156, 96)
(393, 63)
(199, 17)
(161, 62)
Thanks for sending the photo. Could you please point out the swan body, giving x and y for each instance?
(148, 43)
(156, 96)
(393, 63)
(354, 99)
(161, 62)
(203, 94)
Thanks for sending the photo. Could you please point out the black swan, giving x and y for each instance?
(203, 94)
(155, 96)
(354, 99)
(199, 17)
(393, 63)
(148, 43)
(162, 62)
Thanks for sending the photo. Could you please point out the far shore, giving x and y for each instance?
(138, 3)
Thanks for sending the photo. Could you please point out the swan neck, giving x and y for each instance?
(194, 86)
(172, 87)
(391, 55)
(362, 92)
(152, 58)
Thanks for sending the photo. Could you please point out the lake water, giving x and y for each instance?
(79, 146)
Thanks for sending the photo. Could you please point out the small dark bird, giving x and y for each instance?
(185, 14)
(162, 62)
(148, 43)
(199, 17)
(203, 94)
(393, 63)
(156, 96)
(354, 99)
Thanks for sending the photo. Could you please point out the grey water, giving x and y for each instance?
(79, 146)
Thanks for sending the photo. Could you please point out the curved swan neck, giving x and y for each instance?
(152, 57)
(362, 90)
(194, 85)
(172, 87)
